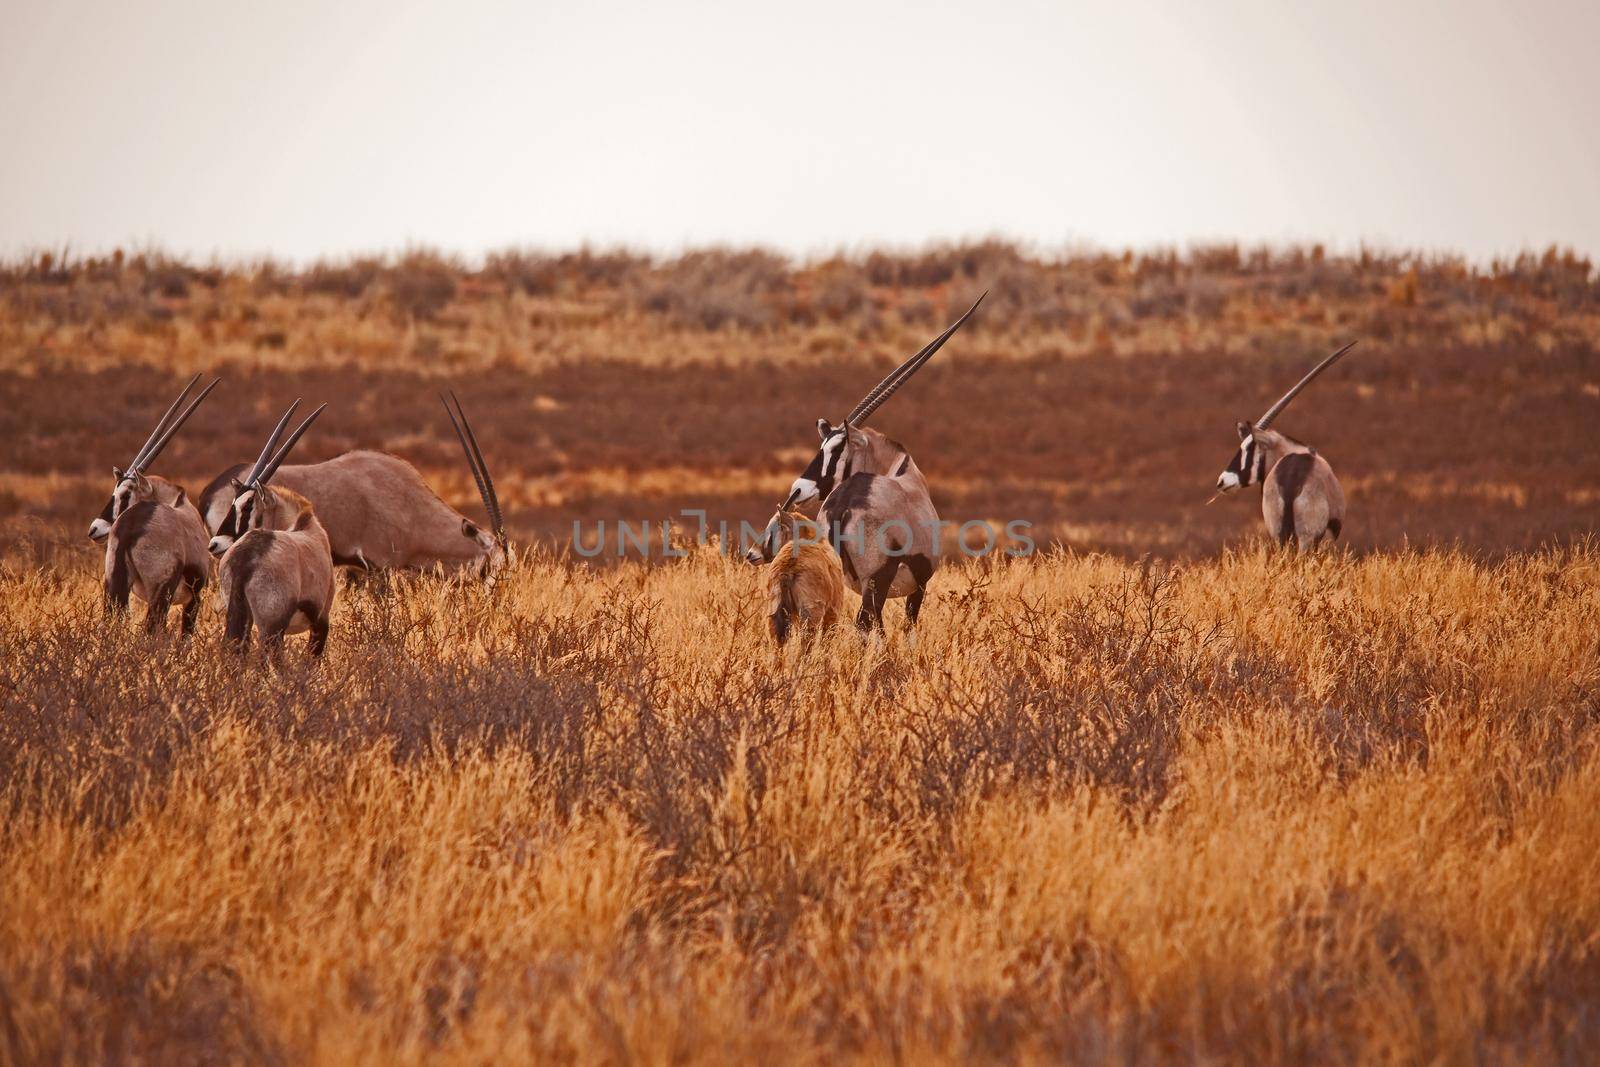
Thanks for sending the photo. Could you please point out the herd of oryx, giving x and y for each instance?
(280, 532)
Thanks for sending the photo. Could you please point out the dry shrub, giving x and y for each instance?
(350, 279)
(715, 289)
(1261, 808)
(421, 284)
(544, 273)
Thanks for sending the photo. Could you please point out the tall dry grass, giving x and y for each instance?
(1256, 809)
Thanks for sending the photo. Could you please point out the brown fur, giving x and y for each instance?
(805, 589)
(1301, 500)
(881, 503)
(279, 575)
(157, 552)
(378, 513)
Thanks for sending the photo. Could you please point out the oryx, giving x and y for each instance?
(155, 541)
(377, 510)
(805, 587)
(1301, 500)
(278, 574)
(133, 485)
(875, 504)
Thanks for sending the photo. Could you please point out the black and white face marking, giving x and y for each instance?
(1247, 462)
(764, 550)
(122, 498)
(239, 520)
(819, 477)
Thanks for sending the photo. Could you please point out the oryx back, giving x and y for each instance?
(378, 514)
(805, 589)
(1301, 500)
(278, 577)
(157, 551)
(803, 579)
(277, 569)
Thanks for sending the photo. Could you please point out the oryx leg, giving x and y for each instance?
(116, 597)
(319, 629)
(194, 579)
(921, 568)
(873, 596)
(1311, 521)
(240, 622)
(272, 640)
(118, 585)
(155, 617)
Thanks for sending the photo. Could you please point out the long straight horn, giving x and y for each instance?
(901, 374)
(480, 469)
(272, 443)
(143, 455)
(282, 453)
(156, 449)
(1266, 420)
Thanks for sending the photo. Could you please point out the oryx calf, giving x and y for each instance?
(875, 502)
(804, 583)
(278, 574)
(378, 512)
(1301, 500)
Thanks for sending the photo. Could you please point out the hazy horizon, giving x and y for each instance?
(299, 133)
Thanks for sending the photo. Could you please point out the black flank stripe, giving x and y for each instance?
(1291, 473)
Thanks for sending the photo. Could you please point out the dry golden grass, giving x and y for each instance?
(1257, 809)
(1243, 808)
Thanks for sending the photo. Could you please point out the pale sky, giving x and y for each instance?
(303, 129)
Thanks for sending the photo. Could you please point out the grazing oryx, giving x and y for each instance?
(378, 512)
(278, 574)
(875, 503)
(1301, 500)
(803, 579)
(133, 485)
(155, 541)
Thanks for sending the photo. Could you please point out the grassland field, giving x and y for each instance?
(1156, 794)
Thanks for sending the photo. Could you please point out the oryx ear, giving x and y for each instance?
(468, 529)
(140, 480)
(1245, 430)
(823, 429)
(237, 485)
(116, 472)
(183, 498)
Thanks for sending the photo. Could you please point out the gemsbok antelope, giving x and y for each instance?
(378, 512)
(133, 485)
(875, 502)
(157, 550)
(805, 587)
(277, 575)
(1301, 500)
(155, 541)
